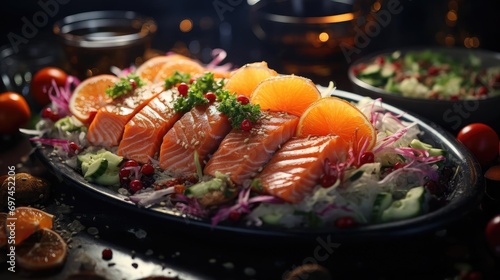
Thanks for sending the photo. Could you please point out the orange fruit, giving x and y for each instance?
(289, 93)
(14, 112)
(29, 220)
(90, 95)
(245, 79)
(181, 65)
(43, 250)
(3, 229)
(335, 116)
(148, 70)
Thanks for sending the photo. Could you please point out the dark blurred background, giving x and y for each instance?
(229, 24)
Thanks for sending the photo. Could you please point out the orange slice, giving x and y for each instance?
(335, 116)
(289, 93)
(29, 220)
(43, 250)
(245, 79)
(90, 95)
(148, 70)
(182, 65)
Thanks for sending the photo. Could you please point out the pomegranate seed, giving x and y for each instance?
(246, 125)
(73, 146)
(243, 99)
(482, 91)
(433, 71)
(328, 180)
(135, 185)
(345, 222)
(454, 97)
(131, 163)
(210, 96)
(183, 89)
(147, 169)
(124, 173)
(47, 113)
(191, 80)
(397, 64)
(367, 157)
(107, 254)
(133, 84)
(399, 165)
(234, 216)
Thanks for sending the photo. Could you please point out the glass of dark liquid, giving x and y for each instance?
(96, 41)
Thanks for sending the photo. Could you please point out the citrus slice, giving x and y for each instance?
(90, 95)
(148, 70)
(335, 116)
(181, 65)
(45, 249)
(3, 229)
(245, 79)
(29, 220)
(289, 93)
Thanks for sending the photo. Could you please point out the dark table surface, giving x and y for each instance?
(147, 250)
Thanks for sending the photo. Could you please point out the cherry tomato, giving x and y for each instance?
(14, 112)
(481, 140)
(42, 82)
(492, 233)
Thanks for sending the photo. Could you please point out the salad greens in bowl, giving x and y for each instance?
(452, 87)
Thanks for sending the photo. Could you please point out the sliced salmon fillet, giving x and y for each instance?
(109, 123)
(144, 133)
(242, 153)
(295, 169)
(200, 131)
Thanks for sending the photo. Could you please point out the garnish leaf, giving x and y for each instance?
(125, 85)
(195, 95)
(177, 78)
(235, 111)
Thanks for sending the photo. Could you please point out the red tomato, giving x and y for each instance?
(14, 112)
(492, 233)
(42, 82)
(481, 140)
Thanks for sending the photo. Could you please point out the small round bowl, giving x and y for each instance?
(449, 114)
(96, 41)
(310, 29)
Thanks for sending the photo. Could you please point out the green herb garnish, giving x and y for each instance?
(235, 111)
(177, 78)
(125, 85)
(195, 95)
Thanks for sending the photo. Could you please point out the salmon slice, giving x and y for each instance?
(200, 131)
(109, 123)
(295, 169)
(242, 153)
(143, 134)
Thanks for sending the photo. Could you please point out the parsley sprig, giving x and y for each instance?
(196, 92)
(177, 78)
(125, 85)
(234, 110)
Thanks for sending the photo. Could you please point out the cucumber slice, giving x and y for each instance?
(408, 207)
(370, 70)
(381, 203)
(113, 160)
(109, 178)
(96, 168)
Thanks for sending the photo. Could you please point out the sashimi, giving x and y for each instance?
(295, 169)
(144, 133)
(199, 131)
(109, 123)
(242, 153)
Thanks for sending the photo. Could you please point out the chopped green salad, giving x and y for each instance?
(430, 75)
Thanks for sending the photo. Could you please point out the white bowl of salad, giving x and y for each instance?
(452, 87)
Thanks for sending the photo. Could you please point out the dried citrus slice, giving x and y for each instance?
(148, 70)
(245, 79)
(90, 95)
(29, 220)
(289, 93)
(3, 229)
(181, 65)
(45, 249)
(335, 116)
